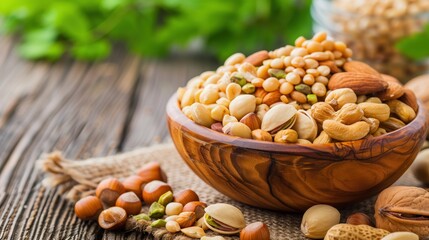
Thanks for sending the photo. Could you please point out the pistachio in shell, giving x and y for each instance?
(403, 208)
(279, 117)
(224, 218)
(305, 126)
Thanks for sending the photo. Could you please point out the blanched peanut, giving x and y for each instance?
(234, 59)
(233, 90)
(271, 84)
(218, 112)
(318, 89)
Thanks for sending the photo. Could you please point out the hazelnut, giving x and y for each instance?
(196, 207)
(153, 190)
(152, 171)
(112, 218)
(359, 219)
(109, 190)
(88, 208)
(134, 184)
(130, 202)
(255, 231)
(185, 196)
(186, 219)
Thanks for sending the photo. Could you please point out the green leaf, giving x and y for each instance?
(41, 50)
(91, 51)
(415, 46)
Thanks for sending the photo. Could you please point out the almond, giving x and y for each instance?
(359, 67)
(410, 99)
(271, 98)
(394, 91)
(257, 58)
(360, 83)
(331, 65)
(389, 78)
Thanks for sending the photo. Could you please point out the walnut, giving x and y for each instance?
(402, 208)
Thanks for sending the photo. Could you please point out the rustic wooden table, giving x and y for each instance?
(82, 109)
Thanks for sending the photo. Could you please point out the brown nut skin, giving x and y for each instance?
(109, 190)
(196, 207)
(185, 196)
(88, 208)
(130, 202)
(255, 231)
(152, 171)
(403, 208)
(359, 219)
(186, 219)
(113, 218)
(153, 190)
(134, 184)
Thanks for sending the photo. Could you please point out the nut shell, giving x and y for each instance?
(153, 190)
(185, 196)
(109, 190)
(255, 231)
(226, 214)
(402, 208)
(152, 171)
(279, 117)
(130, 202)
(134, 184)
(112, 218)
(88, 208)
(318, 219)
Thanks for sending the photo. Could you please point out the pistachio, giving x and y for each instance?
(277, 73)
(279, 117)
(261, 110)
(224, 218)
(318, 219)
(237, 129)
(305, 126)
(286, 136)
(201, 115)
(156, 210)
(239, 79)
(141, 216)
(261, 135)
(158, 223)
(166, 198)
(242, 105)
(303, 88)
(193, 232)
(248, 88)
(311, 98)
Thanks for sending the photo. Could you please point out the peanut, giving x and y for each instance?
(357, 232)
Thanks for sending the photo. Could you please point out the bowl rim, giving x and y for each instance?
(175, 113)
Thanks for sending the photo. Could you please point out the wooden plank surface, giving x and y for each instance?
(82, 109)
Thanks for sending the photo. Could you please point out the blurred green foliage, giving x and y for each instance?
(415, 46)
(86, 29)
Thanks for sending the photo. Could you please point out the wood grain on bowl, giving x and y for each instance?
(293, 177)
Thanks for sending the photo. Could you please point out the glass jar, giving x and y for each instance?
(371, 29)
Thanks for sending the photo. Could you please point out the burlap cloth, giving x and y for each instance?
(78, 178)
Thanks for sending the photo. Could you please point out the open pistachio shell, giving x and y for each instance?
(220, 216)
(279, 117)
(305, 126)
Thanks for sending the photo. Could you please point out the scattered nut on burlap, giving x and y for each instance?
(77, 178)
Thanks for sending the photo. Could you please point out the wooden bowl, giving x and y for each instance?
(294, 177)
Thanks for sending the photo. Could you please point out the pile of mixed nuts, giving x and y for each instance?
(118, 205)
(308, 93)
(401, 213)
